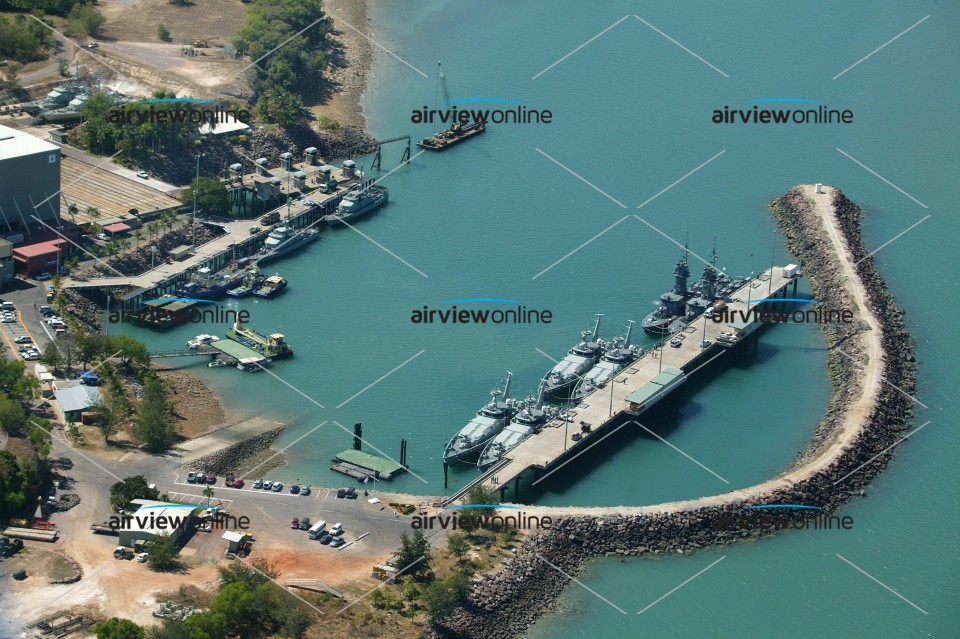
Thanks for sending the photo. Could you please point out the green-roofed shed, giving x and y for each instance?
(654, 390)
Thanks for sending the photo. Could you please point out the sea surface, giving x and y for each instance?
(491, 218)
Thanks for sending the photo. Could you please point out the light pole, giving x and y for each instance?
(773, 249)
(196, 187)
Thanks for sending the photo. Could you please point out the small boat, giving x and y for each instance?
(201, 340)
(251, 279)
(252, 364)
(270, 287)
(216, 363)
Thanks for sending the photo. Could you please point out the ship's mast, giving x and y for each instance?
(682, 271)
(626, 342)
(596, 328)
(442, 86)
(506, 388)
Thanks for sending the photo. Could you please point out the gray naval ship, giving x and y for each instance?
(358, 202)
(618, 354)
(531, 417)
(713, 284)
(672, 303)
(580, 359)
(283, 240)
(487, 424)
(681, 305)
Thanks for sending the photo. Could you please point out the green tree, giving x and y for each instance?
(279, 106)
(125, 491)
(40, 436)
(116, 628)
(163, 33)
(162, 553)
(12, 418)
(106, 420)
(129, 350)
(14, 382)
(413, 556)
(457, 545)
(84, 21)
(212, 196)
(17, 479)
(443, 595)
(153, 425)
(469, 518)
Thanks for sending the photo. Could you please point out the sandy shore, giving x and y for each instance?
(350, 68)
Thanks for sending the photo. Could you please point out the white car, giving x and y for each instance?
(23, 339)
(103, 237)
(143, 174)
(142, 557)
(6, 319)
(31, 356)
(42, 277)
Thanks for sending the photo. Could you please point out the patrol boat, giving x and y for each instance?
(533, 415)
(580, 359)
(618, 354)
(358, 202)
(283, 240)
(489, 421)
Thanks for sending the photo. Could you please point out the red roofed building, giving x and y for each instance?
(37, 258)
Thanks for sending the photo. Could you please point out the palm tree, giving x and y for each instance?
(168, 220)
(208, 493)
(61, 304)
(93, 212)
(138, 235)
(73, 209)
(152, 229)
(56, 282)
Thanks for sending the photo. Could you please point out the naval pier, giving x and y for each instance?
(638, 387)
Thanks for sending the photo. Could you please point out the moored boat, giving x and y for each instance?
(488, 422)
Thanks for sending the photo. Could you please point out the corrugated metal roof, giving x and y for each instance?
(15, 144)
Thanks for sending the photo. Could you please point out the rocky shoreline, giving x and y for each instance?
(241, 456)
(504, 604)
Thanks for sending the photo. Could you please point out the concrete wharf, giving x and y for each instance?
(634, 390)
(236, 243)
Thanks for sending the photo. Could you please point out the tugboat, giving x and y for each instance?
(580, 359)
(533, 415)
(270, 287)
(489, 421)
(618, 354)
(457, 132)
(358, 202)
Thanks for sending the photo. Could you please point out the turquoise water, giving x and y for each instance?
(632, 115)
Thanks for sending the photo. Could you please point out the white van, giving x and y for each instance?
(316, 530)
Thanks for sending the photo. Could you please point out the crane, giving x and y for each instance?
(442, 86)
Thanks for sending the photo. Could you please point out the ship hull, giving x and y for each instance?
(269, 257)
(334, 220)
(439, 142)
(273, 292)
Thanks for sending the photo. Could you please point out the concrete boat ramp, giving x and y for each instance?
(220, 439)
